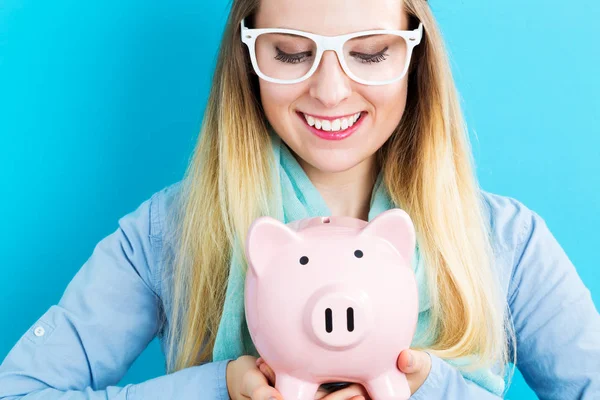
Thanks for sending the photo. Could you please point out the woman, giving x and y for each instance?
(293, 130)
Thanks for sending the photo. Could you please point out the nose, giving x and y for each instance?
(330, 84)
(339, 317)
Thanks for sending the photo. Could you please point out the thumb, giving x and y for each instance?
(267, 372)
(410, 361)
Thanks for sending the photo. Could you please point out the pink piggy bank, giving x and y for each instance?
(332, 299)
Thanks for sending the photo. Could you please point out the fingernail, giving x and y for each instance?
(411, 360)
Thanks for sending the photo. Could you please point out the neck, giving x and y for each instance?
(346, 193)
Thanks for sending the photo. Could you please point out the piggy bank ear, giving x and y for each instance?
(265, 236)
(396, 227)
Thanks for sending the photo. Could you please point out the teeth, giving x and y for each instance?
(335, 125)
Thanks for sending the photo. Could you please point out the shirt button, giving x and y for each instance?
(39, 331)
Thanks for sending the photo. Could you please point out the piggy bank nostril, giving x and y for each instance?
(325, 220)
(328, 320)
(350, 319)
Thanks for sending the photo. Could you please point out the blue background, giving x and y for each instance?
(101, 102)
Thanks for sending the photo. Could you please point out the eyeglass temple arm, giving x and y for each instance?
(419, 31)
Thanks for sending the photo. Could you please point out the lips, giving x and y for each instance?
(334, 135)
(328, 124)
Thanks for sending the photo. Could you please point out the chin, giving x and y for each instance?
(332, 161)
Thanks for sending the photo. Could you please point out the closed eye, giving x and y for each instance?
(370, 58)
(292, 58)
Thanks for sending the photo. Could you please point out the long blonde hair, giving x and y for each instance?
(427, 167)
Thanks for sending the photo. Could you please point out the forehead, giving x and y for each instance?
(331, 17)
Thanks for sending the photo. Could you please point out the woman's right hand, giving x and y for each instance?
(246, 381)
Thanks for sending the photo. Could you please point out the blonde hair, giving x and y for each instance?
(428, 170)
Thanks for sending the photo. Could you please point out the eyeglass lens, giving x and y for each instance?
(379, 57)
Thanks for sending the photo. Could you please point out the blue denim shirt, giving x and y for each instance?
(111, 310)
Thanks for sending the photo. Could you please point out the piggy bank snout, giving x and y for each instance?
(339, 318)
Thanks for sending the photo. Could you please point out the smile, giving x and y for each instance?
(332, 125)
(333, 129)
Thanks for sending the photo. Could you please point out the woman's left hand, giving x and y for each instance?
(416, 365)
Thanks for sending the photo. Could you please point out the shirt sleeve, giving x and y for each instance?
(446, 382)
(110, 311)
(556, 323)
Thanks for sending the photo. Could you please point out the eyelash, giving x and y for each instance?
(381, 56)
(294, 59)
(291, 59)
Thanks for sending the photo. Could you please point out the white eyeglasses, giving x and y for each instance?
(374, 57)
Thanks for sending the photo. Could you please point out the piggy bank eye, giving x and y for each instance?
(358, 254)
(303, 260)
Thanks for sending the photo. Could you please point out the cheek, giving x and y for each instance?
(389, 99)
(274, 96)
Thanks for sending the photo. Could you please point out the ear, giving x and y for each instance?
(265, 236)
(397, 228)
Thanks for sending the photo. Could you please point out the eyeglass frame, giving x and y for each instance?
(336, 43)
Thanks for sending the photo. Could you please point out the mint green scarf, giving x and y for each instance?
(299, 199)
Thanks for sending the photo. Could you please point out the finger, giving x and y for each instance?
(265, 392)
(259, 361)
(252, 381)
(405, 360)
(268, 372)
(322, 393)
(411, 361)
(350, 392)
